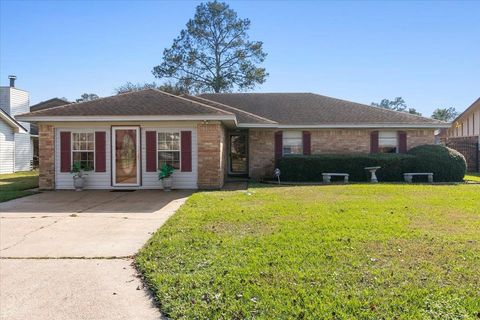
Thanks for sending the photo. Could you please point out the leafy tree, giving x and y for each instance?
(445, 114)
(414, 111)
(398, 104)
(129, 87)
(87, 97)
(214, 53)
(167, 87)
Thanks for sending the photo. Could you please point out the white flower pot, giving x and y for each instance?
(78, 183)
(167, 184)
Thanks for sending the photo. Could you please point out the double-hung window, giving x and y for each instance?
(83, 149)
(388, 142)
(168, 149)
(292, 142)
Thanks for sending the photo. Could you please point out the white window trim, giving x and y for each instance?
(283, 143)
(389, 145)
(71, 145)
(167, 130)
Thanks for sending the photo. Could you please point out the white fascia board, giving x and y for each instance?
(348, 126)
(28, 118)
(17, 128)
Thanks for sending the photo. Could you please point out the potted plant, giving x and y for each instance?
(165, 174)
(79, 175)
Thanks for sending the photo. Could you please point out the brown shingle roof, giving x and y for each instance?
(313, 109)
(241, 115)
(47, 104)
(139, 103)
(269, 109)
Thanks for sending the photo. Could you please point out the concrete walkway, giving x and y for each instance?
(68, 255)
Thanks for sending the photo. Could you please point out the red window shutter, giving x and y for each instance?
(100, 151)
(278, 145)
(374, 142)
(65, 151)
(186, 151)
(402, 141)
(151, 151)
(306, 143)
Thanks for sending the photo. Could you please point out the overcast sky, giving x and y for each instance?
(426, 52)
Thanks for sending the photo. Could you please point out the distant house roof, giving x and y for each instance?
(313, 109)
(17, 127)
(144, 103)
(282, 110)
(55, 102)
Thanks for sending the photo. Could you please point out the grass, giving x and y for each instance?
(386, 251)
(472, 177)
(15, 185)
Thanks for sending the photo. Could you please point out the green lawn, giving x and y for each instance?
(14, 185)
(472, 177)
(386, 251)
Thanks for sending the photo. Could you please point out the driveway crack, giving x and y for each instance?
(99, 204)
(25, 236)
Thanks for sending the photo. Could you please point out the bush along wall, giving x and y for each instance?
(310, 168)
(447, 165)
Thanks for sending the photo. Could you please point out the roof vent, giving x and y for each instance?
(12, 80)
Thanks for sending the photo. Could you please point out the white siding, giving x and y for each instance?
(23, 152)
(181, 180)
(7, 148)
(468, 125)
(102, 180)
(19, 103)
(95, 180)
(15, 101)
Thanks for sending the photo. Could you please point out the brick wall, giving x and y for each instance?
(261, 145)
(261, 152)
(340, 141)
(211, 155)
(419, 137)
(46, 154)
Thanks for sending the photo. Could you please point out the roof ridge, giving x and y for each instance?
(240, 110)
(380, 108)
(81, 102)
(191, 101)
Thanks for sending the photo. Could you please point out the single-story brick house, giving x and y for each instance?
(125, 138)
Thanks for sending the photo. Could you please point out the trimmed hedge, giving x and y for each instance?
(310, 168)
(446, 164)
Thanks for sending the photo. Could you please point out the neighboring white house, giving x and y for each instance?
(16, 142)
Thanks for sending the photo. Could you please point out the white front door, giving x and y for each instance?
(126, 156)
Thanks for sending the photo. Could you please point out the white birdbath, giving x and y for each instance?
(372, 171)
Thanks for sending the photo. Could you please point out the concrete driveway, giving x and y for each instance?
(68, 255)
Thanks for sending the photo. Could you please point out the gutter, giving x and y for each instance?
(33, 118)
(347, 126)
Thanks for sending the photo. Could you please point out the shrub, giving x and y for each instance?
(310, 168)
(447, 165)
